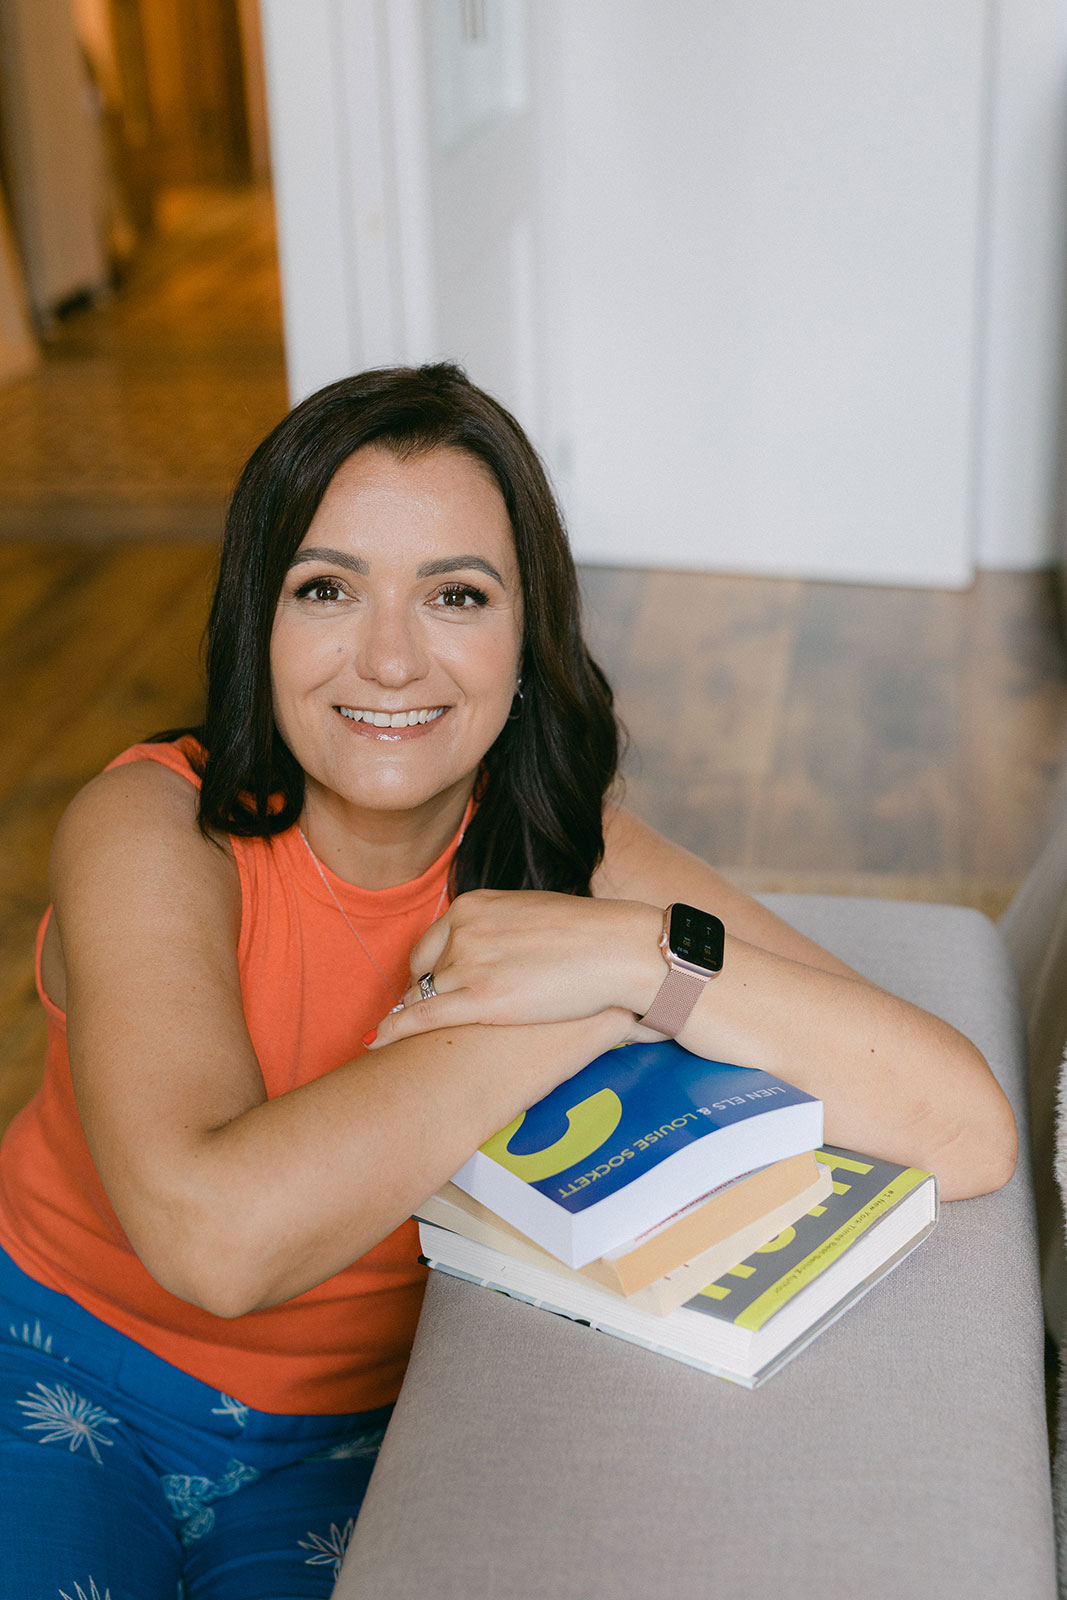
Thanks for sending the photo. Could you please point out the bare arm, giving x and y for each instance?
(895, 1081)
(231, 1200)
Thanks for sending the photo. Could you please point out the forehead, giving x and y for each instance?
(426, 501)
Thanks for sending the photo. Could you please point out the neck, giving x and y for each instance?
(379, 849)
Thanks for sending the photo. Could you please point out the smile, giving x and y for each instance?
(393, 719)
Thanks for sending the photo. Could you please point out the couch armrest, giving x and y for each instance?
(903, 1454)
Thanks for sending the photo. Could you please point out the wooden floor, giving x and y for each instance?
(841, 737)
(811, 736)
(146, 407)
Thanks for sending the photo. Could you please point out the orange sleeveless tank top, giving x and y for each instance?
(310, 994)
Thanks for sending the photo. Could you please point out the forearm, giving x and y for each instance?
(296, 1188)
(895, 1081)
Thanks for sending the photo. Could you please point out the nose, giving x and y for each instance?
(388, 648)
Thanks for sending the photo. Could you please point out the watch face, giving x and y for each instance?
(696, 937)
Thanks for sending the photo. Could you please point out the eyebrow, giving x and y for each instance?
(332, 558)
(428, 569)
(432, 569)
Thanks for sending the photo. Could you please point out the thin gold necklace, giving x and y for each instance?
(351, 926)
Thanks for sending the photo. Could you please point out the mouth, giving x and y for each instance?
(391, 725)
(393, 719)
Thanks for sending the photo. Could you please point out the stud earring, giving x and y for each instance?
(514, 714)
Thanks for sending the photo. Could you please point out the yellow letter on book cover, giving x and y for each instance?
(589, 1123)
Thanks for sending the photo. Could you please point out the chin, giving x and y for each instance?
(391, 791)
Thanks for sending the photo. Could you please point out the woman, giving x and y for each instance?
(211, 1282)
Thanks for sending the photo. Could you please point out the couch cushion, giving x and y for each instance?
(902, 1454)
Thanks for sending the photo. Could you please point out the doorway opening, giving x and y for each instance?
(142, 259)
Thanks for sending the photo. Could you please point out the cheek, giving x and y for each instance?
(488, 674)
(483, 659)
(299, 659)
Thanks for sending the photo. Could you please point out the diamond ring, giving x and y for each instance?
(426, 986)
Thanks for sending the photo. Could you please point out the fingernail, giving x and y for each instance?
(369, 1038)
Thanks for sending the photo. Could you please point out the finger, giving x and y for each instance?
(413, 995)
(441, 1011)
(430, 947)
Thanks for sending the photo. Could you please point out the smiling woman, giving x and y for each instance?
(394, 667)
(303, 958)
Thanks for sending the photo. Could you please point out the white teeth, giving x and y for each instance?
(395, 719)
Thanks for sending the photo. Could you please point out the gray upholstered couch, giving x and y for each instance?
(903, 1455)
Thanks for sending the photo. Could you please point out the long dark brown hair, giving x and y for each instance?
(539, 821)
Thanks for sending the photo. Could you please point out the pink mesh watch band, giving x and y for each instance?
(675, 999)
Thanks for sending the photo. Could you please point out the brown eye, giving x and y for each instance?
(462, 597)
(319, 589)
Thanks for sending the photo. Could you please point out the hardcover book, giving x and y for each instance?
(640, 1132)
(756, 1316)
(660, 1294)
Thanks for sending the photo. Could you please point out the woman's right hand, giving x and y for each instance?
(523, 956)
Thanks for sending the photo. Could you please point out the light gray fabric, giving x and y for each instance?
(902, 1455)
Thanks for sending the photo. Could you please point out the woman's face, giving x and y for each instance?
(396, 640)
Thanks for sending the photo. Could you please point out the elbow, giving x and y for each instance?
(220, 1296)
(205, 1286)
(979, 1154)
(203, 1269)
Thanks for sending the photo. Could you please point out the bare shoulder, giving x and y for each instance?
(138, 787)
(137, 817)
(640, 864)
(130, 871)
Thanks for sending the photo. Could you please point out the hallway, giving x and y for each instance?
(146, 406)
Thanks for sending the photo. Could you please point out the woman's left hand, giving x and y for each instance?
(519, 956)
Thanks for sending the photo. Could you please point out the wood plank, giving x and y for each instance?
(699, 666)
(865, 778)
(59, 657)
(1014, 708)
(29, 573)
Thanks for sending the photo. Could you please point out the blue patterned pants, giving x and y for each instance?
(122, 1478)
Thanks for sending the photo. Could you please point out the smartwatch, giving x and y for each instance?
(692, 945)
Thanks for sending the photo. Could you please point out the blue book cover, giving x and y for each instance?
(639, 1132)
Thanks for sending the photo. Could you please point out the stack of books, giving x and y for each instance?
(685, 1205)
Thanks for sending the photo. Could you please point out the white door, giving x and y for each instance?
(404, 177)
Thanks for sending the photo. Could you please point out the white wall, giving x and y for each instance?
(789, 299)
(1020, 436)
(770, 219)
